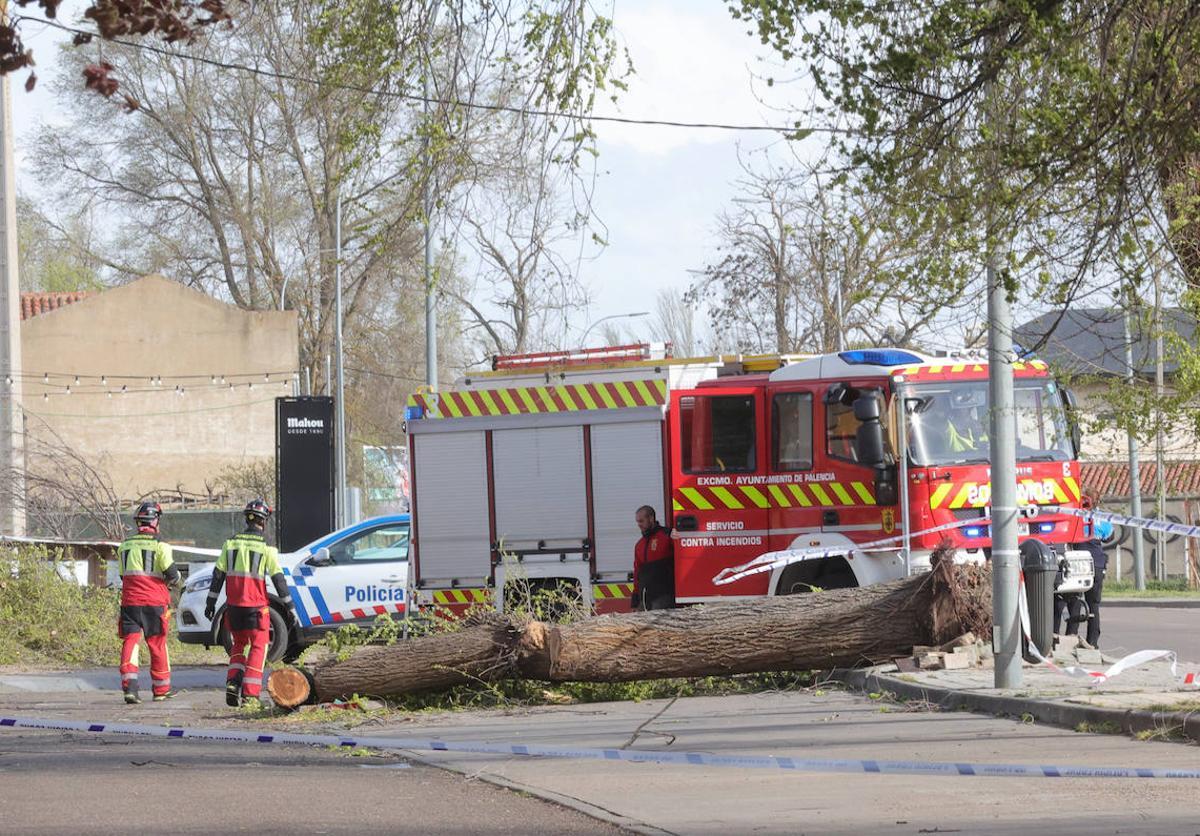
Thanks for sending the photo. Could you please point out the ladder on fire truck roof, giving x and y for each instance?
(631, 356)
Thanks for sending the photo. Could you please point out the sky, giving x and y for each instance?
(659, 189)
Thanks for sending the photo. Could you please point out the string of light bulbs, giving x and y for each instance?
(67, 383)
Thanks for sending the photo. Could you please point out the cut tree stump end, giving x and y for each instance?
(290, 688)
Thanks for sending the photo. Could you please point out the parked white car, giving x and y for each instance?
(350, 576)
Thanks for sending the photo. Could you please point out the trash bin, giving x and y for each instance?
(1040, 565)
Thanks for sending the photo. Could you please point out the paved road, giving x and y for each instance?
(53, 782)
(703, 800)
(112, 784)
(1125, 629)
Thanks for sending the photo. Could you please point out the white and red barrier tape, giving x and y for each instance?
(784, 557)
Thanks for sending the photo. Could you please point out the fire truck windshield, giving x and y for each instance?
(948, 422)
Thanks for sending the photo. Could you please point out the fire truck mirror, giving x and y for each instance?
(866, 408)
(868, 440)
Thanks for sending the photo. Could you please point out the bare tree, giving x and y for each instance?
(525, 289)
(62, 494)
(675, 323)
(811, 264)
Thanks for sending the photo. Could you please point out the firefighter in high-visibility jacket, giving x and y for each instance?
(146, 571)
(245, 563)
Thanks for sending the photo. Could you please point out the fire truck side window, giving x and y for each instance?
(718, 434)
(841, 428)
(792, 431)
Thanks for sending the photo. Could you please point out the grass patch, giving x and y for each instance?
(527, 692)
(1183, 706)
(53, 622)
(1173, 588)
(1106, 727)
(1164, 733)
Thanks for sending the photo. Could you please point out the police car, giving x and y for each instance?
(350, 576)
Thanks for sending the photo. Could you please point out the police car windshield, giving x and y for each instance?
(948, 423)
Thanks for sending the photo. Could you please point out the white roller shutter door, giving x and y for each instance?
(452, 506)
(540, 489)
(627, 472)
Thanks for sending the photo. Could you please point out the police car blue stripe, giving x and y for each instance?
(626, 755)
(319, 600)
(301, 610)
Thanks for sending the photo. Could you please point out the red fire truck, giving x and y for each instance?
(536, 469)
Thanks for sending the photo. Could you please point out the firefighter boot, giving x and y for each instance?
(166, 696)
(233, 691)
(131, 693)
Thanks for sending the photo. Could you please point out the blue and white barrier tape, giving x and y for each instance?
(883, 767)
(1149, 523)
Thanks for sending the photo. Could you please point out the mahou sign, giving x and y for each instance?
(303, 470)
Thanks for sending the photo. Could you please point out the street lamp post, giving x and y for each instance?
(588, 330)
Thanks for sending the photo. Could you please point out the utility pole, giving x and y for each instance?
(1006, 557)
(1160, 539)
(12, 447)
(431, 341)
(1135, 478)
(1006, 563)
(340, 399)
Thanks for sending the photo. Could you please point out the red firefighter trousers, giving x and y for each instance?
(160, 665)
(247, 666)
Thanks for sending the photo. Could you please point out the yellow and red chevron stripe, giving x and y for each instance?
(605, 591)
(740, 497)
(461, 596)
(943, 370)
(573, 397)
(950, 495)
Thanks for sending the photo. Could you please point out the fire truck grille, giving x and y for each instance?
(968, 513)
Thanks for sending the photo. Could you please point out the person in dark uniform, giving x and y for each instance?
(1103, 530)
(653, 564)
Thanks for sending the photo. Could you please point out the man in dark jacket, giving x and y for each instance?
(653, 564)
(1103, 530)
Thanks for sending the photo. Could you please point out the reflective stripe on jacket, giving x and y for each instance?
(247, 562)
(144, 562)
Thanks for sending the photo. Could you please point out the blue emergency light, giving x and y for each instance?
(413, 413)
(880, 357)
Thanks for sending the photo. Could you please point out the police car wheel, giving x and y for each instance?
(280, 637)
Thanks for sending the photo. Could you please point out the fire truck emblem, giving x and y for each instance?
(889, 520)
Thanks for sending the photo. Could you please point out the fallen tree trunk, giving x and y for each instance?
(836, 628)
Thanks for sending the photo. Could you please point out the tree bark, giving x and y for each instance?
(837, 628)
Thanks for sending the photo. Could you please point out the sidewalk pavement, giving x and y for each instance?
(1145, 699)
(1161, 603)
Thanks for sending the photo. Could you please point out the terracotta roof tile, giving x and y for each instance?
(1111, 479)
(33, 304)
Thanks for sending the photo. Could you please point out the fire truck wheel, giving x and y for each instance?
(832, 573)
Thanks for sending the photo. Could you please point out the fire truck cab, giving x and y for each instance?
(537, 467)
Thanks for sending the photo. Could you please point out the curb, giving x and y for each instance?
(1159, 603)
(1067, 715)
(570, 802)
